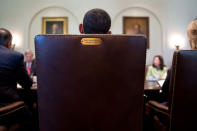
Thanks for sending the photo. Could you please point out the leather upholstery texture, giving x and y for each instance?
(183, 115)
(90, 87)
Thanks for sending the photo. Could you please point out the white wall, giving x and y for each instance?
(155, 31)
(36, 23)
(167, 17)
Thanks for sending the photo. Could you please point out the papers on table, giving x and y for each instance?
(160, 82)
(34, 86)
(19, 86)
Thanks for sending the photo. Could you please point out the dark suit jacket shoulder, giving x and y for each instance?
(12, 71)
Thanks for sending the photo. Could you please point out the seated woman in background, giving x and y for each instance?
(157, 71)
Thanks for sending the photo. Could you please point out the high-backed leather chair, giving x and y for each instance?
(90, 82)
(182, 105)
(183, 115)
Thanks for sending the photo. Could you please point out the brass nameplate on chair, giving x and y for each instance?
(91, 41)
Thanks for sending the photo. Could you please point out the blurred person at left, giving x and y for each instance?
(12, 71)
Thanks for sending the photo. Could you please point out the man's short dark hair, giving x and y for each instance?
(5, 37)
(96, 21)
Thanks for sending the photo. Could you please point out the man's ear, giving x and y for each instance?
(109, 32)
(9, 45)
(81, 28)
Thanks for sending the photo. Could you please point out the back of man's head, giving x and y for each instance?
(96, 21)
(5, 37)
(192, 34)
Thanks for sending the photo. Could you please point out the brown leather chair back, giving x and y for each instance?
(90, 87)
(172, 79)
(183, 115)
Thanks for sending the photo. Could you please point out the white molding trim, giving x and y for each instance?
(40, 11)
(147, 10)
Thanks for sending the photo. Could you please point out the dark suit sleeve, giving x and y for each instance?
(22, 77)
(165, 88)
(33, 68)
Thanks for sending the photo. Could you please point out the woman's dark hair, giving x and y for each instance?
(161, 66)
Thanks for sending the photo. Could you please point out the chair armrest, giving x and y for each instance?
(158, 107)
(13, 107)
(3, 128)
